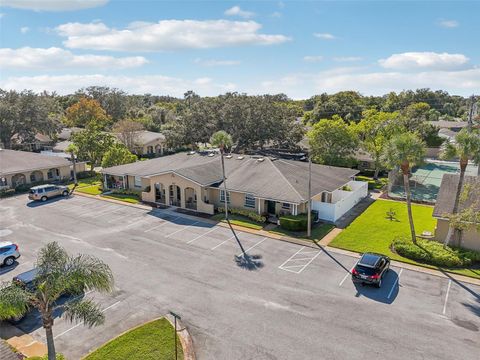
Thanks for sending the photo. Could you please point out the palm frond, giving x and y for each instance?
(84, 311)
(88, 272)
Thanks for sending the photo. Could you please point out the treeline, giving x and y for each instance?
(252, 121)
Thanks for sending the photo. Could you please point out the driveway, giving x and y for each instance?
(283, 301)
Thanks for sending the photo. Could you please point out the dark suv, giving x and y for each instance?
(370, 269)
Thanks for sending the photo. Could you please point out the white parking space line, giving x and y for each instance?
(81, 323)
(165, 222)
(183, 228)
(202, 235)
(253, 246)
(345, 278)
(223, 242)
(291, 257)
(293, 260)
(446, 297)
(395, 284)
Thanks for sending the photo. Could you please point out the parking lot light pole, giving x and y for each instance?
(175, 317)
(309, 207)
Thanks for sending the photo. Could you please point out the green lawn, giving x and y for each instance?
(94, 180)
(372, 231)
(130, 198)
(239, 220)
(318, 232)
(152, 341)
(92, 189)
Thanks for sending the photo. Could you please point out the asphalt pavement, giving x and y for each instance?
(280, 301)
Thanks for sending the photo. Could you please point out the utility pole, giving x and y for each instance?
(309, 206)
(175, 317)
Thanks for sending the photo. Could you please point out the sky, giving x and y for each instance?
(299, 48)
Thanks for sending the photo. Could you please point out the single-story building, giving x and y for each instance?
(38, 143)
(148, 143)
(61, 146)
(23, 167)
(470, 239)
(265, 185)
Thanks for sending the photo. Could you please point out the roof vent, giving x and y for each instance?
(261, 160)
(229, 156)
(240, 157)
(191, 153)
(211, 155)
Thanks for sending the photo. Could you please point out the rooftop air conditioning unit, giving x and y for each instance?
(211, 155)
(191, 153)
(240, 157)
(261, 159)
(229, 156)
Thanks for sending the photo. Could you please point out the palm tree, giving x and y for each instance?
(59, 273)
(72, 149)
(405, 151)
(223, 141)
(466, 147)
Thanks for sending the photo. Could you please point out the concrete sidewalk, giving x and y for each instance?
(22, 342)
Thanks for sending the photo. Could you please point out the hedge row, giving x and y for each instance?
(294, 222)
(433, 253)
(252, 215)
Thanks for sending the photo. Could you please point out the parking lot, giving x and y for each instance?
(281, 301)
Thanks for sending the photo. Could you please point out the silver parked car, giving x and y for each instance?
(8, 253)
(45, 192)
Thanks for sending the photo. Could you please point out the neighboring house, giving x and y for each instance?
(470, 239)
(61, 146)
(22, 167)
(148, 143)
(261, 184)
(66, 133)
(449, 129)
(365, 160)
(40, 142)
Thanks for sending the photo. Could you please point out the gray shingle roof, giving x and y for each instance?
(12, 161)
(448, 190)
(283, 180)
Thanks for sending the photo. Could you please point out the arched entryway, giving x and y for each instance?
(160, 193)
(175, 195)
(158, 149)
(190, 198)
(18, 179)
(36, 176)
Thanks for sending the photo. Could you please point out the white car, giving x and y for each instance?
(8, 253)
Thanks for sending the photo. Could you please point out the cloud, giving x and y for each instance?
(276, 15)
(24, 29)
(213, 62)
(424, 60)
(167, 35)
(324, 36)
(312, 59)
(56, 58)
(347, 58)
(153, 84)
(304, 85)
(53, 5)
(237, 11)
(449, 24)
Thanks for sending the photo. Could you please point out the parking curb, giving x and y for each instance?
(185, 338)
(440, 273)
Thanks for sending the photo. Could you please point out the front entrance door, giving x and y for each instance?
(271, 207)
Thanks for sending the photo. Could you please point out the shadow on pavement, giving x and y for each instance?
(33, 321)
(34, 204)
(249, 262)
(179, 220)
(5, 269)
(331, 256)
(386, 294)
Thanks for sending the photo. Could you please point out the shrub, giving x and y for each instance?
(294, 222)
(433, 253)
(6, 192)
(127, 192)
(252, 215)
(88, 174)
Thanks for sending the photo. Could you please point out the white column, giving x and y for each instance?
(259, 208)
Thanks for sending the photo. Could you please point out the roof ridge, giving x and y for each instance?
(283, 176)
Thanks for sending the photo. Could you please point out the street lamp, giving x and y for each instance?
(175, 317)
